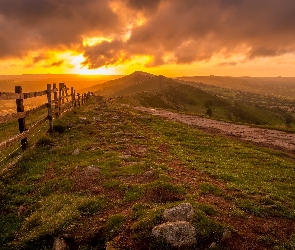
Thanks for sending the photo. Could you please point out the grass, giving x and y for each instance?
(208, 101)
(110, 178)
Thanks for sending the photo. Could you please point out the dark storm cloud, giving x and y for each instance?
(51, 24)
(145, 5)
(107, 53)
(55, 64)
(190, 30)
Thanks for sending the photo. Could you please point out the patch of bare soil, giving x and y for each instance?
(87, 180)
(275, 139)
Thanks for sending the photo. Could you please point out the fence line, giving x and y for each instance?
(55, 105)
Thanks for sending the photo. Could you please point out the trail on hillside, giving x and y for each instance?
(280, 140)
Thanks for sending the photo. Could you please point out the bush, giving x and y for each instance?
(44, 141)
(59, 128)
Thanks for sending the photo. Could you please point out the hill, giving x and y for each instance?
(110, 87)
(141, 89)
(108, 172)
(273, 86)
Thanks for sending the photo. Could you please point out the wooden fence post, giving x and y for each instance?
(66, 91)
(21, 121)
(63, 93)
(79, 101)
(75, 103)
(72, 96)
(59, 98)
(49, 106)
(55, 100)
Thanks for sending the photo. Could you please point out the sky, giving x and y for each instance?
(169, 37)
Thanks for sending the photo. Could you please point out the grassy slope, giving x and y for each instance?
(161, 92)
(111, 176)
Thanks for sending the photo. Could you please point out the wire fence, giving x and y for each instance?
(59, 101)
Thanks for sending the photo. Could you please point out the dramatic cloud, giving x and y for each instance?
(52, 24)
(169, 31)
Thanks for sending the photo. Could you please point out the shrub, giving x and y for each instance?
(44, 141)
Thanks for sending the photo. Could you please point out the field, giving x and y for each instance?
(109, 176)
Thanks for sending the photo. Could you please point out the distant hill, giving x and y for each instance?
(275, 86)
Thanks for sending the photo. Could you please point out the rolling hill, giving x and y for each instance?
(143, 89)
(273, 86)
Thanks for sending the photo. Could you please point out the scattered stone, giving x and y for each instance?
(21, 210)
(97, 119)
(149, 174)
(226, 235)
(91, 167)
(182, 212)
(76, 151)
(125, 156)
(213, 245)
(177, 234)
(60, 244)
(82, 119)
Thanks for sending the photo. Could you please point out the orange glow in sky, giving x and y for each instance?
(172, 38)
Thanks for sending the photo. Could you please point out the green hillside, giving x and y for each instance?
(110, 87)
(108, 172)
(161, 92)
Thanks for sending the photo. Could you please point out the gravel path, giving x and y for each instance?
(266, 137)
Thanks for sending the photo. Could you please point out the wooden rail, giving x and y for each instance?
(56, 105)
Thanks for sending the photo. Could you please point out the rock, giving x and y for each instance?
(82, 119)
(125, 156)
(149, 174)
(76, 151)
(213, 245)
(60, 244)
(182, 212)
(21, 210)
(226, 235)
(177, 234)
(97, 119)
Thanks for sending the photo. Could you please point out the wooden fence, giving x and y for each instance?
(61, 102)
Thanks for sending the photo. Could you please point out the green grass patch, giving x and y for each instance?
(56, 213)
(114, 225)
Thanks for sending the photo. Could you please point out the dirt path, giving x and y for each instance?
(283, 141)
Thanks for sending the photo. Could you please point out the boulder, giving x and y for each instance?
(182, 212)
(178, 234)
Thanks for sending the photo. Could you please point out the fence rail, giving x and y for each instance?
(55, 105)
